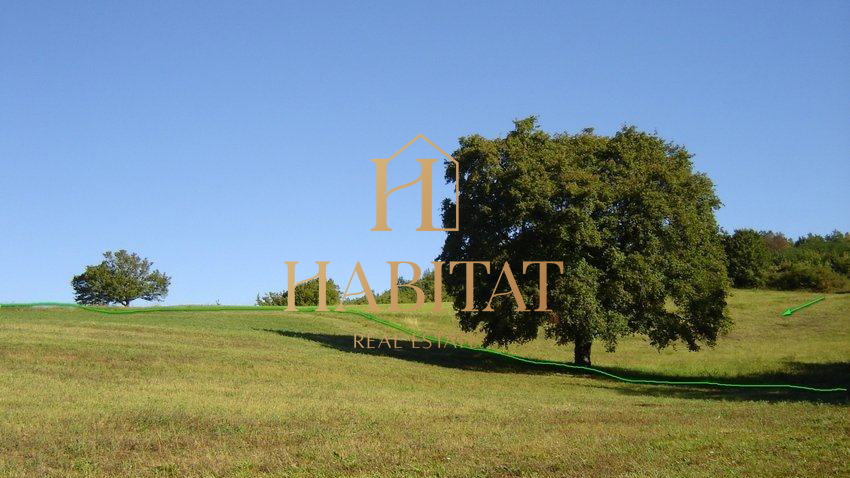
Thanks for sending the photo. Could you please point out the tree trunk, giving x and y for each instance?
(582, 351)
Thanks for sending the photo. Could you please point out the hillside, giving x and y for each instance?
(243, 393)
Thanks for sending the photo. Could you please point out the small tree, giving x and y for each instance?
(747, 258)
(121, 278)
(305, 294)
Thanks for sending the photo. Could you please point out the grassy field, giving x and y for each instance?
(286, 394)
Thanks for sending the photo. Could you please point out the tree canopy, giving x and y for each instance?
(632, 222)
(748, 258)
(120, 278)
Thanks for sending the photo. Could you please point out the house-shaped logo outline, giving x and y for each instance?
(457, 183)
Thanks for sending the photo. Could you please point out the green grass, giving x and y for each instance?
(285, 394)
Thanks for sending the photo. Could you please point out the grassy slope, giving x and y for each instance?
(284, 394)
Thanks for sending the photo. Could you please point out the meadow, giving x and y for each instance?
(283, 394)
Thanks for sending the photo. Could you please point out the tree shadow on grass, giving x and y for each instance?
(817, 375)
(820, 375)
(443, 356)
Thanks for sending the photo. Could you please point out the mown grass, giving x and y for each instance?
(285, 394)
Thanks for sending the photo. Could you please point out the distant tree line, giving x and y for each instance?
(308, 293)
(767, 259)
(754, 259)
(406, 295)
(305, 294)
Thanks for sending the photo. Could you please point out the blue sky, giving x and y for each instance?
(222, 139)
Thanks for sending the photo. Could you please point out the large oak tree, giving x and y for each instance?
(632, 222)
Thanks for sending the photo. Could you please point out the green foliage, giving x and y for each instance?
(776, 241)
(769, 259)
(305, 294)
(833, 249)
(406, 295)
(816, 263)
(747, 258)
(633, 224)
(121, 278)
(804, 275)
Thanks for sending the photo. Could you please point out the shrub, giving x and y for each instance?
(406, 295)
(804, 275)
(305, 294)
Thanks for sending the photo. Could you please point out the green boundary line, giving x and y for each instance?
(419, 335)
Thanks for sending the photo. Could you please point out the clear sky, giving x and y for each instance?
(222, 139)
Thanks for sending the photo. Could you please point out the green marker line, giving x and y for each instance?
(401, 328)
(791, 310)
